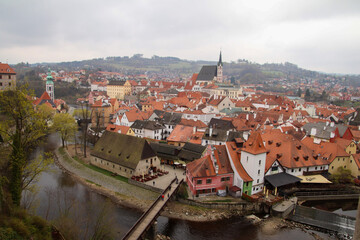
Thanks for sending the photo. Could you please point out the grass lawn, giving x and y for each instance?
(92, 167)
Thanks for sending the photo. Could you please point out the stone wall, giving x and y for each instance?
(245, 207)
(143, 185)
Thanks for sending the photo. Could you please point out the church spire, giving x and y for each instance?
(220, 60)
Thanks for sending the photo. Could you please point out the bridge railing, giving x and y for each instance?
(324, 193)
(127, 235)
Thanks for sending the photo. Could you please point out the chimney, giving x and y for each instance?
(246, 136)
(313, 132)
(227, 133)
(332, 124)
(210, 131)
(194, 129)
(247, 117)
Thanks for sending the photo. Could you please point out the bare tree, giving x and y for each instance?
(84, 115)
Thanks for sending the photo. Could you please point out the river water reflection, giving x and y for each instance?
(58, 183)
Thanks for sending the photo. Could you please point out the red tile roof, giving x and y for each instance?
(235, 156)
(223, 160)
(192, 123)
(254, 144)
(289, 152)
(6, 69)
(181, 133)
(202, 167)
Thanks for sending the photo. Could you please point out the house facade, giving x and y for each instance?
(7, 77)
(124, 155)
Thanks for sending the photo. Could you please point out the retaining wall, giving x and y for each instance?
(240, 206)
(143, 185)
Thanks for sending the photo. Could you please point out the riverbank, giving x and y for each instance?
(132, 196)
(135, 197)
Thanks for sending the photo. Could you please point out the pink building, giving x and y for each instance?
(207, 175)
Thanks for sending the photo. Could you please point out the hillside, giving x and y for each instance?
(242, 70)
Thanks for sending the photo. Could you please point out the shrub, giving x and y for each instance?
(9, 234)
(19, 213)
(19, 227)
(39, 223)
(182, 192)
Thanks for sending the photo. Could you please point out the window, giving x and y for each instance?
(9, 77)
(0, 83)
(208, 181)
(247, 184)
(350, 161)
(344, 166)
(259, 162)
(125, 169)
(247, 158)
(332, 167)
(113, 166)
(258, 172)
(315, 168)
(299, 169)
(275, 168)
(199, 182)
(292, 170)
(257, 181)
(146, 161)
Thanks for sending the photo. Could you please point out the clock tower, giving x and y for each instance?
(50, 85)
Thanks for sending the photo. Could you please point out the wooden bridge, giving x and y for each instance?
(327, 195)
(145, 221)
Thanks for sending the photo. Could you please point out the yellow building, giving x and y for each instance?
(227, 91)
(344, 156)
(118, 89)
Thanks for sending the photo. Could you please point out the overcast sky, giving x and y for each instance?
(322, 35)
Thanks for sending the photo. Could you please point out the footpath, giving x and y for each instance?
(133, 196)
(130, 195)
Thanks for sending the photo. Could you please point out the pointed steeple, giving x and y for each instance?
(220, 60)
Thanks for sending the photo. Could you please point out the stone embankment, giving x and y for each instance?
(133, 196)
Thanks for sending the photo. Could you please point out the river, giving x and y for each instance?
(58, 191)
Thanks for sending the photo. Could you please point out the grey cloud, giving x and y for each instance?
(262, 31)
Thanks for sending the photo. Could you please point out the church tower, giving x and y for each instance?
(50, 85)
(220, 70)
